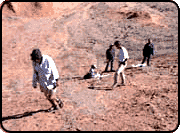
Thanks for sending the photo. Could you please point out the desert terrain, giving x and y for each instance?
(76, 35)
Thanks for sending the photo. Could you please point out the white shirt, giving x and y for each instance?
(47, 72)
(94, 74)
(123, 54)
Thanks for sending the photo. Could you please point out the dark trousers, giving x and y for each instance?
(144, 59)
(108, 65)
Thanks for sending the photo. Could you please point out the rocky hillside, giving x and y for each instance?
(76, 35)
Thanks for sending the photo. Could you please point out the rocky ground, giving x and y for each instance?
(76, 35)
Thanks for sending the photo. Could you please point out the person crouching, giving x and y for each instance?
(92, 73)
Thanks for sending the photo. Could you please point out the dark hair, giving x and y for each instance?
(92, 66)
(110, 46)
(117, 43)
(36, 54)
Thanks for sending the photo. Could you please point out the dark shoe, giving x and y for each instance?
(52, 109)
(112, 70)
(100, 78)
(60, 103)
(123, 84)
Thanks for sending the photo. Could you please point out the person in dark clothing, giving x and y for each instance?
(148, 51)
(110, 54)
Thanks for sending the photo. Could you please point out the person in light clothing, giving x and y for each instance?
(46, 74)
(92, 73)
(122, 63)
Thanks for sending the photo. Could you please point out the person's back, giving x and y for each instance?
(123, 54)
(151, 48)
(147, 50)
(110, 53)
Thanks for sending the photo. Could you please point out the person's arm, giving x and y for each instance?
(144, 50)
(35, 77)
(113, 54)
(107, 55)
(125, 60)
(57, 83)
(153, 49)
(54, 72)
(126, 56)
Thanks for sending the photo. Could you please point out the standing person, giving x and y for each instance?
(122, 63)
(148, 51)
(110, 54)
(46, 74)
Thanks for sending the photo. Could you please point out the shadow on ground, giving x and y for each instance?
(25, 114)
(100, 88)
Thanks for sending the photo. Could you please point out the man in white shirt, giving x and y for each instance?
(46, 74)
(122, 63)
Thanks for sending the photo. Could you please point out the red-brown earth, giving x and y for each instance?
(76, 35)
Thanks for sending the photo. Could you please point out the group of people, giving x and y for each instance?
(110, 55)
(123, 57)
(46, 73)
(122, 61)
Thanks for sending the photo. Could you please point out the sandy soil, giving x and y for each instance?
(76, 35)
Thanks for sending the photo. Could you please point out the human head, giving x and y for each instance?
(149, 41)
(117, 44)
(93, 66)
(36, 55)
(111, 46)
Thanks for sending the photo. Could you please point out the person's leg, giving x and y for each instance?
(148, 59)
(57, 100)
(144, 59)
(122, 77)
(115, 78)
(116, 75)
(112, 67)
(106, 69)
(48, 95)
